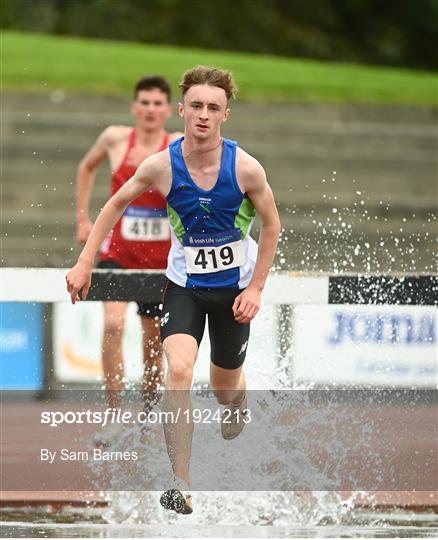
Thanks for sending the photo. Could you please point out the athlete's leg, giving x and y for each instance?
(153, 374)
(181, 351)
(229, 385)
(182, 327)
(229, 341)
(112, 359)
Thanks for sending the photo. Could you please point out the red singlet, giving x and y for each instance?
(141, 238)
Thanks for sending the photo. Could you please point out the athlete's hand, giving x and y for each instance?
(83, 229)
(79, 278)
(247, 305)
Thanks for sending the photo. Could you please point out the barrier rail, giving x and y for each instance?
(285, 289)
(48, 285)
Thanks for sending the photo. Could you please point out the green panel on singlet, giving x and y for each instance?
(244, 216)
(176, 224)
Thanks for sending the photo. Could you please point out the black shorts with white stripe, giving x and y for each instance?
(185, 311)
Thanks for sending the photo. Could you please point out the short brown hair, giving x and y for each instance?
(211, 76)
(152, 82)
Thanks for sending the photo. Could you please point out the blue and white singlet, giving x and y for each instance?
(211, 245)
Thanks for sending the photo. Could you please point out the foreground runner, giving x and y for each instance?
(141, 239)
(213, 190)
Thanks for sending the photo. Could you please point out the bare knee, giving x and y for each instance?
(180, 374)
(181, 351)
(113, 327)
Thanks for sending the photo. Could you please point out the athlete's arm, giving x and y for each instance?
(85, 177)
(79, 276)
(252, 179)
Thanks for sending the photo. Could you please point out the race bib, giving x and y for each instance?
(145, 224)
(206, 253)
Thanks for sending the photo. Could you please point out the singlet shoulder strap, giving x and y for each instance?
(165, 142)
(176, 159)
(131, 144)
(132, 137)
(230, 152)
(230, 142)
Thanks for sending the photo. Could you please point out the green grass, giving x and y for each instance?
(33, 62)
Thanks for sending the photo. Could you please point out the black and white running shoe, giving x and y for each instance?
(178, 499)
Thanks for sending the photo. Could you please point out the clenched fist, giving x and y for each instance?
(246, 305)
(79, 279)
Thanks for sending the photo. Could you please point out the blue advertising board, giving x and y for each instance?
(21, 346)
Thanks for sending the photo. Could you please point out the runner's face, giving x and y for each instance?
(151, 109)
(204, 109)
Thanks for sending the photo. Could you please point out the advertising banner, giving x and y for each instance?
(21, 346)
(371, 345)
(77, 345)
(77, 342)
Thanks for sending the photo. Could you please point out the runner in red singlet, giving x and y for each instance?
(141, 239)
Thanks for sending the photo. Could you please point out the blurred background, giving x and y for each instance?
(337, 99)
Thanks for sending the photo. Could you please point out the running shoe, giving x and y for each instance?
(233, 417)
(178, 499)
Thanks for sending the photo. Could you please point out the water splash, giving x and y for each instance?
(363, 235)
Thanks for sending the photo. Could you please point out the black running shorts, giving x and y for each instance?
(145, 309)
(185, 310)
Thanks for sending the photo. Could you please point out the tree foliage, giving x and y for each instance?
(391, 32)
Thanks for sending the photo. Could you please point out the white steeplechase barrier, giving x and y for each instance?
(48, 285)
(322, 329)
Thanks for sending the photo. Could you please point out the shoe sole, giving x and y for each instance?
(173, 499)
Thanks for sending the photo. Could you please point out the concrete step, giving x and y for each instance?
(59, 102)
(292, 197)
(282, 168)
(384, 188)
(62, 149)
(78, 122)
(33, 254)
(310, 251)
(36, 225)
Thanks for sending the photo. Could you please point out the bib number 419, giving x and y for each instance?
(229, 252)
(208, 259)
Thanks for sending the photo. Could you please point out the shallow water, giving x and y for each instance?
(91, 523)
(20, 530)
